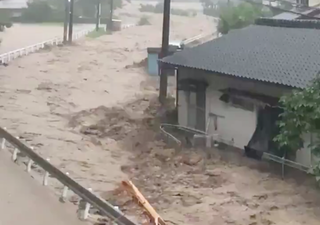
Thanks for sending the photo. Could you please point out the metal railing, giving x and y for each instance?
(267, 156)
(285, 162)
(91, 199)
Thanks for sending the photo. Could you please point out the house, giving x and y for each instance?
(301, 12)
(13, 7)
(229, 87)
(154, 55)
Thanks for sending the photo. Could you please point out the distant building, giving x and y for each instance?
(14, 7)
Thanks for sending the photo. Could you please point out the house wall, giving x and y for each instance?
(234, 125)
(153, 64)
(304, 155)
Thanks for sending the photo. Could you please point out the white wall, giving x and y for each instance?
(304, 155)
(238, 125)
(234, 125)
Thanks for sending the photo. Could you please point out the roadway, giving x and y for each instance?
(24, 200)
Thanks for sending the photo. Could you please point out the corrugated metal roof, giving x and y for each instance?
(13, 4)
(281, 55)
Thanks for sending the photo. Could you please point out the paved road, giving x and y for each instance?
(24, 200)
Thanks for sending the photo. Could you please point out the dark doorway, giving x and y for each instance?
(266, 130)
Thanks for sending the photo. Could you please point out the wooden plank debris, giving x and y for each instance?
(136, 194)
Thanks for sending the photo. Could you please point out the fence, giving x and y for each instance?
(9, 56)
(91, 199)
(171, 139)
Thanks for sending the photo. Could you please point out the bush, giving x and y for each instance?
(180, 12)
(239, 16)
(9, 24)
(53, 10)
(158, 8)
(144, 21)
(38, 12)
(147, 8)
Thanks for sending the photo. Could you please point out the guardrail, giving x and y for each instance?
(91, 199)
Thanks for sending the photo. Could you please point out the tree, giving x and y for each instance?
(5, 20)
(301, 115)
(239, 16)
(53, 10)
(38, 12)
(87, 8)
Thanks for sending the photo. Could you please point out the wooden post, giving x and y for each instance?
(98, 16)
(71, 20)
(111, 16)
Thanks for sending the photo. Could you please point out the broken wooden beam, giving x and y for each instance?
(151, 212)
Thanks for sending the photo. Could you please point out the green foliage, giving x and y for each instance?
(147, 8)
(158, 8)
(144, 21)
(54, 10)
(38, 12)
(239, 16)
(87, 8)
(301, 116)
(5, 17)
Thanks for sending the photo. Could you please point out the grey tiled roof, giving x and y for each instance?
(286, 56)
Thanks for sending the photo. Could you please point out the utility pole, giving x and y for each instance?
(66, 21)
(98, 16)
(110, 26)
(164, 52)
(71, 20)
